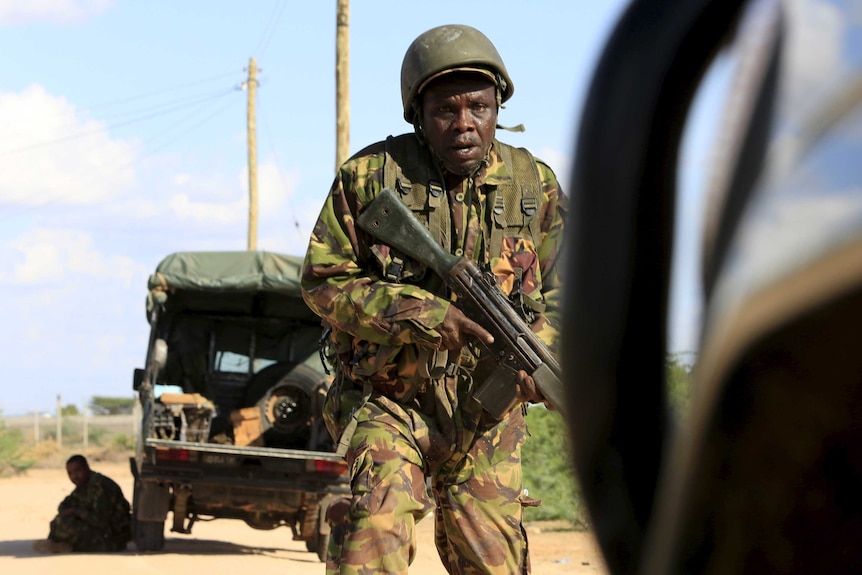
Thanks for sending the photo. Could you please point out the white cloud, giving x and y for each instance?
(45, 257)
(275, 188)
(74, 302)
(51, 153)
(106, 349)
(214, 213)
(214, 202)
(14, 12)
(135, 209)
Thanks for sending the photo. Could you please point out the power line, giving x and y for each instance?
(281, 176)
(150, 151)
(112, 103)
(89, 109)
(167, 106)
(162, 110)
(190, 128)
(271, 25)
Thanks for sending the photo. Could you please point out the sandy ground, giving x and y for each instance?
(28, 503)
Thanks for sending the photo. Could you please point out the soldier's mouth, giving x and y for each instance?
(464, 151)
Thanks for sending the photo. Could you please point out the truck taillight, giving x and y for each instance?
(324, 466)
(172, 455)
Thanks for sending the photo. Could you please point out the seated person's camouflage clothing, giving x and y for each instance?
(100, 521)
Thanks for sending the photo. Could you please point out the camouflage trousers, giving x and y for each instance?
(476, 497)
(83, 536)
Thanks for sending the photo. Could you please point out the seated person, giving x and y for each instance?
(94, 517)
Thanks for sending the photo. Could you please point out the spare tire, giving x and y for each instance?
(263, 380)
(291, 408)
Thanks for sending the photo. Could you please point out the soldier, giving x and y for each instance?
(94, 517)
(400, 406)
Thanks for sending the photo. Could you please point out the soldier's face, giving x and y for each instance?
(459, 119)
(78, 473)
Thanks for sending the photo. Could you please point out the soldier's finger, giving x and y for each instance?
(473, 328)
(527, 388)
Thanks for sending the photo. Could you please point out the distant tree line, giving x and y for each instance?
(101, 405)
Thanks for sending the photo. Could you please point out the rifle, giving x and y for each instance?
(515, 346)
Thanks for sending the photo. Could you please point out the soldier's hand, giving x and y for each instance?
(528, 392)
(337, 512)
(456, 327)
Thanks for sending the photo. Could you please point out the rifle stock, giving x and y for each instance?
(515, 346)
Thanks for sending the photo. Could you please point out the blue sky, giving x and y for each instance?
(123, 139)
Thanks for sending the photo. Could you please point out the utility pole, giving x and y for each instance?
(251, 85)
(342, 82)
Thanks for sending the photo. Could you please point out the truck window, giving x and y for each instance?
(228, 361)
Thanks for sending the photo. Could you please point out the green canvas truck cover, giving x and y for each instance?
(258, 283)
(229, 271)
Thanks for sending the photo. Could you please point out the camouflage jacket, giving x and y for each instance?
(100, 504)
(380, 327)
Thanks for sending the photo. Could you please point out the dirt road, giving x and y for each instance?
(28, 503)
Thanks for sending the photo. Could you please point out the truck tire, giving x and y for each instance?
(291, 408)
(149, 535)
(149, 502)
(318, 545)
(263, 380)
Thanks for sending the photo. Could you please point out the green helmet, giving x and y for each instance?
(447, 49)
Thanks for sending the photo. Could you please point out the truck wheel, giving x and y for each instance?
(318, 545)
(263, 380)
(291, 406)
(149, 535)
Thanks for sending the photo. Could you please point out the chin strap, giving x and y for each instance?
(518, 128)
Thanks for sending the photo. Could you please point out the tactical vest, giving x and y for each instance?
(514, 206)
(514, 209)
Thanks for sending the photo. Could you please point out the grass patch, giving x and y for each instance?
(13, 459)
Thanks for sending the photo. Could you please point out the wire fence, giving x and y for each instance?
(75, 431)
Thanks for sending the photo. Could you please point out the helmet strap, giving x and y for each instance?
(499, 89)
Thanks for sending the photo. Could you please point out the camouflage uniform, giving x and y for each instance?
(411, 428)
(101, 521)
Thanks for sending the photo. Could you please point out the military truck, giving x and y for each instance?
(230, 401)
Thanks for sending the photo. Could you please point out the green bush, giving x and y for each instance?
(547, 469)
(122, 442)
(112, 405)
(548, 473)
(12, 459)
(98, 436)
(70, 409)
(679, 371)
